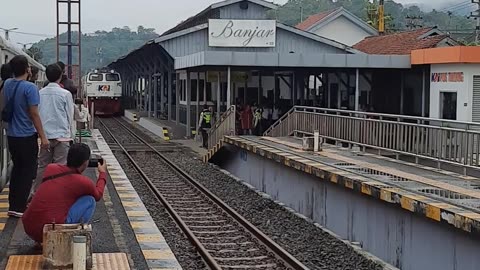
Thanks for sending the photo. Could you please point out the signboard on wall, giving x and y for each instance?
(242, 33)
(447, 77)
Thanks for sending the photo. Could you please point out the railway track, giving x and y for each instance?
(223, 238)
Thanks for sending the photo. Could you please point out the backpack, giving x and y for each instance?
(7, 112)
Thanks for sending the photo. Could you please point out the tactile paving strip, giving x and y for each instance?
(3, 208)
(101, 261)
(154, 247)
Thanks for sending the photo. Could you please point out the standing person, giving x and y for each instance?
(56, 112)
(24, 127)
(34, 77)
(266, 116)
(5, 74)
(246, 119)
(257, 120)
(66, 196)
(205, 124)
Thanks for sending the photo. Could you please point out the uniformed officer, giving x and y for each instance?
(205, 124)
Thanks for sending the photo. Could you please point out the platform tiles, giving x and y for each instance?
(101, 261)
(3, 208)
(438, 211)
(155, 249)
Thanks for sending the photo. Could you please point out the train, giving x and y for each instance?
(102, 89)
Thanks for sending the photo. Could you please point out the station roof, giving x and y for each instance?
(8, 46)
(402, 43)
(447, 55)
(325, 17)
(188, 45)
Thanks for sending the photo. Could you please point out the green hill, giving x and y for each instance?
(99, 48)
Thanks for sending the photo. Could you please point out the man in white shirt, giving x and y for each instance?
(57, 114)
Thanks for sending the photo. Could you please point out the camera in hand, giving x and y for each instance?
(93, 163)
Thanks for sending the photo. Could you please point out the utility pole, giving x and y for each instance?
(7, 32)
(24, 45)
(477, 17)
(381, 17)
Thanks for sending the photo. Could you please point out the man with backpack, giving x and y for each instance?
(24, 127)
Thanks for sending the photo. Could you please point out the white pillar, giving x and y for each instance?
(357, 90)
(229, 87)
(197, 111)
(188, 86)
(423, 92)
(402, 92)
(218, 96)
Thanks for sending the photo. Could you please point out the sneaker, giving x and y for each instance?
(15, 214)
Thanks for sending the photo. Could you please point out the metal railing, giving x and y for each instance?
(5, 160)
(443, 141)
(224, 126)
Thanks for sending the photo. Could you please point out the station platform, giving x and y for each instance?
(409, 215)
(124, 234)
(438, 195)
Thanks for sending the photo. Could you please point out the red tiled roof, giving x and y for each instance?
(312, 20)
(401, 43)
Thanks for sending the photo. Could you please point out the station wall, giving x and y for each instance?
(463, 89)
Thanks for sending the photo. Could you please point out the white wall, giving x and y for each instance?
(342, 30)
(463, 89)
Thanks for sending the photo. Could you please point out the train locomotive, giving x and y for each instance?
(103, 90)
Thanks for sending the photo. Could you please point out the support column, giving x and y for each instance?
(423, 92)
(402, 92)
(294, 88)
(275, 89)
(162, 93)
(169, 95)
(188, 86)
(357, 90)
(155, 96)
(205, 88)
(177, 98)
(329, 90)
(197, 111)
(260, 89)
(229, 88)
(218, 96)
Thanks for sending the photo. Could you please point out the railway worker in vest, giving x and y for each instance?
(56, 112)
(65, 196)
(24, 127)
(205, 124)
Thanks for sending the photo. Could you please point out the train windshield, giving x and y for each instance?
(112, 77)
(95, 77)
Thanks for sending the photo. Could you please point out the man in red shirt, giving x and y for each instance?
(65, 196)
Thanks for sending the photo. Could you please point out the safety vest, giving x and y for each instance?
(207, 117)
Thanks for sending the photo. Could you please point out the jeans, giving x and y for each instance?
(24, 152)
(56, 153)
(81, 211)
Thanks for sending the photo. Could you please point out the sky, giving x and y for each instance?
(38, 16)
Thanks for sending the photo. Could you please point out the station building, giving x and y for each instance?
(232, 53)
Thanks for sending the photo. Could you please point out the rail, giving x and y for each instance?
(223, 127)
(206, 254)
(443, 141)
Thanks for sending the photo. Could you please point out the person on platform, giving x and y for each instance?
(24, 127)
(34, 77)
(65, 196)
(5, 74)
(205, 124)
(247, 120)
(56, 111)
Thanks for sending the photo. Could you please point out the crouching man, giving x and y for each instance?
(65, 196)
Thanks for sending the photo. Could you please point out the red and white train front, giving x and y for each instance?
(103, 90)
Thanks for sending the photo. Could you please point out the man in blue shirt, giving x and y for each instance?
(23, 131)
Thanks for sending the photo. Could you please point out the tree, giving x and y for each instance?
(36, 53)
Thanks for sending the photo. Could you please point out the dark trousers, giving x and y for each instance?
(205, 137)
(24, 152)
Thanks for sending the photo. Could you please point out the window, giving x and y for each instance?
(448, 105)
(96, 77)
(112, 77)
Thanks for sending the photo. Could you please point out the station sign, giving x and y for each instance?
(242, 33)
(447, 77)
